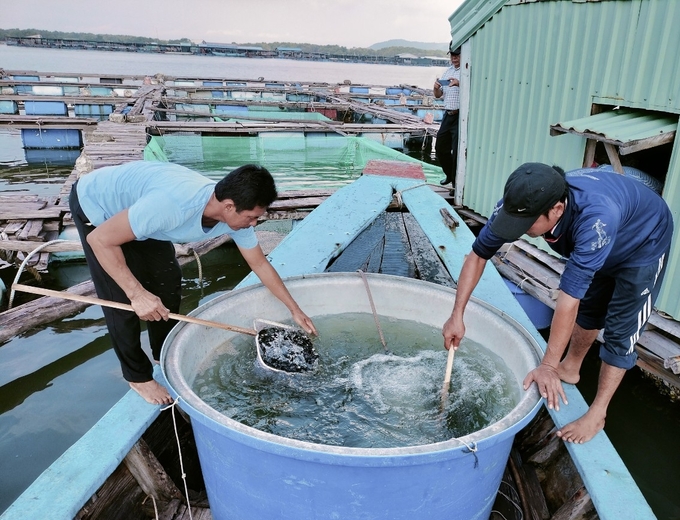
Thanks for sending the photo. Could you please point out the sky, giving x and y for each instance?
(349, 23)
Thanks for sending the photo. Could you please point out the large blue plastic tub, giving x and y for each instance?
(250, 474)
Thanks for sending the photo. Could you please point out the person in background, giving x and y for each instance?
(128, 217)
(615, 233)
(446, 147)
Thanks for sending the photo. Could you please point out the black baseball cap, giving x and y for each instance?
(455, 51)
(530, 191)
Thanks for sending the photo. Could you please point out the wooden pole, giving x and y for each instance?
(447, 377)
(123, 306)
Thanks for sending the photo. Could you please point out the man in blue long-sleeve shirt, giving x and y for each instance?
(615, 233)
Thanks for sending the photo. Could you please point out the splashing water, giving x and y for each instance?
(359, 396)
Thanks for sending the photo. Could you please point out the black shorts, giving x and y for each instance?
(621, 302)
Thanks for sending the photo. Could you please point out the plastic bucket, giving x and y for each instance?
(250, 474)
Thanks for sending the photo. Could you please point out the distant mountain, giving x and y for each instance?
(416, 45)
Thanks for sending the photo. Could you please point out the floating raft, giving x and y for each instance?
(553, 480)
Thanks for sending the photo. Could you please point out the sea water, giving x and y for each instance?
(362, 395)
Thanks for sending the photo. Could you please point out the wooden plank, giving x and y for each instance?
(13, 226)
(4, 197)
(119, 497)
(535, 270)
(645, 144)
(397, 257)
(551, 261)
(578, 507)
(296, 203)
(659, 345)
(23, 121)
(149, 473)
(540, 292)
(22, 212)
(31, 230)
(666, 324)
(428, 264)
(528, 488)
(172, 509)
(291, 194)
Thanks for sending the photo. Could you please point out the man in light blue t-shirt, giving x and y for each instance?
(128, 217)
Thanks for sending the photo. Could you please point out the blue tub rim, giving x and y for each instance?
(525, 410)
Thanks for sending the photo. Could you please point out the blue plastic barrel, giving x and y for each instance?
(539, 313)
(51, 138)
(44, 108)
(251, 474)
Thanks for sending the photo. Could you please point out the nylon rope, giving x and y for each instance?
(397, 195)
(200, 270)
(375, 314)
(23, 265)
(179, 450)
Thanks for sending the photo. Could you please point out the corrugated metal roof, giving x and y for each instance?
(470, 16)
(623, 127)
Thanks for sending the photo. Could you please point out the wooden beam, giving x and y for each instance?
(589, 157)
(614, 158)
(29, 245)
(149, 473)
(644, 144)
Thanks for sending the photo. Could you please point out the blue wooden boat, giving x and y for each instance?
(590, 479)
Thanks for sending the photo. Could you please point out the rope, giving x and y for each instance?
(397, 195)
(471, 449)
(179, 449)
(23, 265)
(375, 314)
(200, 270)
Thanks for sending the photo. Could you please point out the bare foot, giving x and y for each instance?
(569, 373)
(583, 429)
(152, 392)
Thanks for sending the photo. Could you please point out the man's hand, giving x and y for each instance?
(453, 332)
(549, 384)
(305, 322)
(149, 307)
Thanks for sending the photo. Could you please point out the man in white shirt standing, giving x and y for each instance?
(446, 148)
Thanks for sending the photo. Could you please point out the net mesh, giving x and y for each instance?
(297, 160)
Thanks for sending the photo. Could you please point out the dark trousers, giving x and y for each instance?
(446, 148)
(154, 264)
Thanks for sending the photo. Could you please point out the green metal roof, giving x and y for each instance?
(470, 16)
(629, 129)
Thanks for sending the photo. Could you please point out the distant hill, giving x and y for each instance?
(388, 48)
(414, 45)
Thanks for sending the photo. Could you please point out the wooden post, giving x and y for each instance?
(589, 157)
(614, 158)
